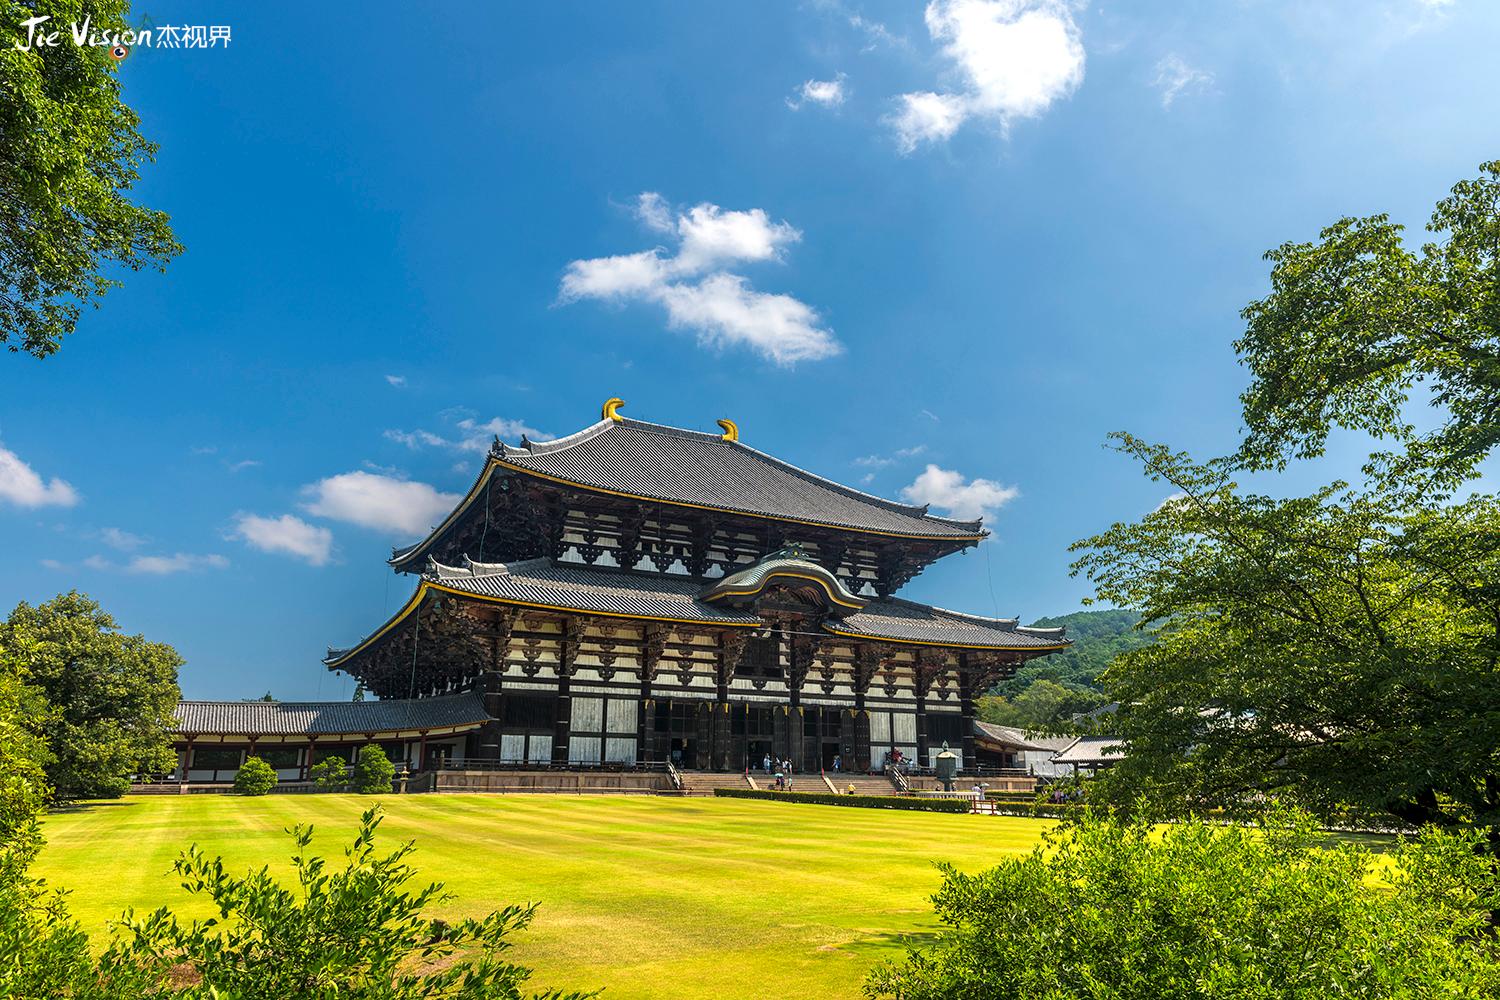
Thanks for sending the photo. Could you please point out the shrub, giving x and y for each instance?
(1112, 908)
(354, 933)
(912, 802)
(255, 777)
(330, 773)
(373, 771)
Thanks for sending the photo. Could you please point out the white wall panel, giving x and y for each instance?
(583, 750)
(588, 715)
(622, 716)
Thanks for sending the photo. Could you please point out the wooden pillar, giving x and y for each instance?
(655, 638)
(307, 757)
(966, 709)
(562, 730)
(422, 752)
(703, 737)
(187, 760)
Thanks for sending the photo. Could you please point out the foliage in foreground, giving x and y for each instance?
(113, 697)
(1108, 908)
(255, 777)
(69, 152)
(1337, 649)
(354, 933)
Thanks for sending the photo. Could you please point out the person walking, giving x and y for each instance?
(838, 763)
(766, 764)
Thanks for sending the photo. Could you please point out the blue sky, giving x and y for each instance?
(935, 256)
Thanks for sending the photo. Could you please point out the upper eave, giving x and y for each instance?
(656, 464)
(542, 585)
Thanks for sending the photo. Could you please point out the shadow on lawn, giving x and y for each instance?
(88, 807)
(894, 944)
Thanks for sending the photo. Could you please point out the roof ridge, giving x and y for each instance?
(667, 430)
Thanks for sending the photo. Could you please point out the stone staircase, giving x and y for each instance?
(864, 784)
(704, 782)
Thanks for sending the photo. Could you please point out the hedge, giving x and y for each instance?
(917, 803)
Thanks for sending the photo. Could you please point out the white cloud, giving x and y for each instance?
(380, 502)
(881, 461)
(697, 292)
(1175, 77)
(242, 465)
(122, 540)
(397, 381)
(1013, 59)
(285, 535)
(949, 492)
(469, 434)
(181, 562)
(826, 93)
(20, 485)
(53, 564)
(926, 117)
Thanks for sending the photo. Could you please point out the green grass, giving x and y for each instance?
(650, 897)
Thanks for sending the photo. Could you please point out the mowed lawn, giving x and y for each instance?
(649, 897)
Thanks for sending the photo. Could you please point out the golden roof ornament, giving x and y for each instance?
(731, 430)
(611, 410)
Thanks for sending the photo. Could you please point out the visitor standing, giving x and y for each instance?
(838, 763)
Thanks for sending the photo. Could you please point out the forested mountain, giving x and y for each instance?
(1048, 691)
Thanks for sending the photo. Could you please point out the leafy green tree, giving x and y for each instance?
(1041, 705)
(373, 771)
(1107, 908)
(1338, 650)
(1357, 320)
(69, 152)
(255, 777)
(329, 774)
(351, 934)
(1097, 638)
(114, 696)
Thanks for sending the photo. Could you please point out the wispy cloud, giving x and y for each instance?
(824, 93)
(469, 434)
(20, 485)
(125, 541)
(951, 493)
(882, 461)
(158, 565)
(397, 381)
(242, 464)
(380, 502)
(1012, 59)
(285, 535)
(1174, 77)
(695, 288)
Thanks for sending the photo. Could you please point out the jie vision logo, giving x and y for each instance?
(40, 33)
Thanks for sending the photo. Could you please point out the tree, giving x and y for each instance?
(1357, 320)
(1097, 637)
(1110, 908)
(114, 696)
(373, 771)
(255, 777)
(329, 774)
(1337, 650)
(69, 152)
(1041, 705)
(354, 934)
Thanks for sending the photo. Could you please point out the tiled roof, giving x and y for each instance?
(1019, 738)
(631, 594)
(580, 588)
(907, 621)
(327, 718)
(1088, 750)
(689, 467)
